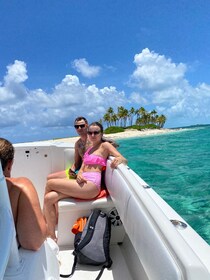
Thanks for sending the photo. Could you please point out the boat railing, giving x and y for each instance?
(9, 255)
(131, 200)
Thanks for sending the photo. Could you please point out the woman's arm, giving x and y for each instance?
(80, 179)
(112, 151)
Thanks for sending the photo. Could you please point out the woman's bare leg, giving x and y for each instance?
(57, 175)
(57, 189)
(71, 188)
(51, 212)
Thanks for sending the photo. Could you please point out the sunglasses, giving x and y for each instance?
(93, 132)
(79, 125)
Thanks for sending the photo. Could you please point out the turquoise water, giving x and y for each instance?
(177, 167)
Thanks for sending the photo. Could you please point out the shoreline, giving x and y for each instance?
(128, 133)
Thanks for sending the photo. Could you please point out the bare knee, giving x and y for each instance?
(49, 185)
(48, 199)
(50, 176)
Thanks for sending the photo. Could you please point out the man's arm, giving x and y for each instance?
(77, 161)
(31, 227)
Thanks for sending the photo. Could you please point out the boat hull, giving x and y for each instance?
(145, 246)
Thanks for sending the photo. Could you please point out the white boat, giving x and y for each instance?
(152, 243)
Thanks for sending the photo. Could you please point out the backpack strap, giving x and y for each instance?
(107, 265)
(72, 271)
(101, 272)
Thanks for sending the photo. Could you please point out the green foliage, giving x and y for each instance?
(140, 127)
(113, 129)
(147, 126)
(139, 117)
(134, 127)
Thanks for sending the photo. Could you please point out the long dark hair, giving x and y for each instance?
(97, 124)
(103, 139)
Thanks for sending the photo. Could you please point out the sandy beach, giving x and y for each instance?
(128, 133)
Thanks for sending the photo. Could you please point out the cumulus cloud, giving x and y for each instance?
(159, 84)
(38, 108)
(16, 73)
(155, 72)
(163, 85)
(12, 89)
(82, 66)
(138, 99)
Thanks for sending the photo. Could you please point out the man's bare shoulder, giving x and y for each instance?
(19, 182)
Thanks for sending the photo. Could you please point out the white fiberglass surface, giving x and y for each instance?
(118, 270)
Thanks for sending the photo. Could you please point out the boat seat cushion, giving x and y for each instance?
(70, 209)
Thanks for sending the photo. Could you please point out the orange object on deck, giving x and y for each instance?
(79, 225)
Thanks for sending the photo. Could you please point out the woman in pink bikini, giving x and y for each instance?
(88, 182)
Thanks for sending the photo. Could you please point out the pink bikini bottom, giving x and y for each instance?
(94, 177)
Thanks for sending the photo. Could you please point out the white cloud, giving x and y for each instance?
(137, 98)
(16, 72)
(82, 66)
(163, 85)
(155, 72)
(160, 84)
(13, 88)
(37, 108)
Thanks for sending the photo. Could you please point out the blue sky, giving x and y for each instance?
(61, 59)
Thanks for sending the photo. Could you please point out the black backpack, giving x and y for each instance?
(92, 245)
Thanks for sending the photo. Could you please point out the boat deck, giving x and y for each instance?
(151, 247)
(119, 269)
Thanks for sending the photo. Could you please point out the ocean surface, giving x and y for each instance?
(177, 167)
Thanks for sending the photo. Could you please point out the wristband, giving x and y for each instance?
(72, 171)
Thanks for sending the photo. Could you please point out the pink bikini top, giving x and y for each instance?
(93, 159)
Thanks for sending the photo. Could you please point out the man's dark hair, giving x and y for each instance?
(6, 152)
(80, 118)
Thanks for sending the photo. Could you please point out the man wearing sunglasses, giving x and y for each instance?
(81, 125)
(82, 144)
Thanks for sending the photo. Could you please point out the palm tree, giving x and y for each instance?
(161, 120)
(107, 119)
(114, 119)
(132, 112)
(153, 115)
(120, 112)
(142, 111)
(125, 117)
(110, 111)
(143, 117)
(108, 116)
